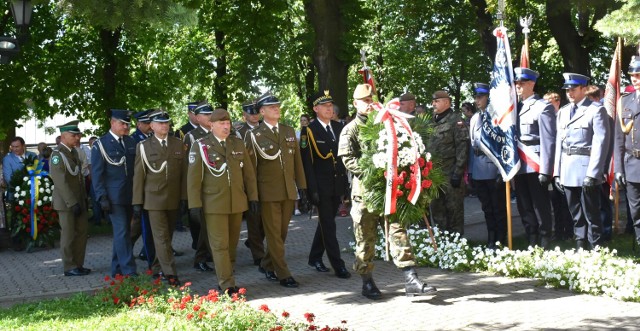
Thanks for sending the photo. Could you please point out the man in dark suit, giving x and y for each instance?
(275, 150)
(199, 230)
(581, 154)
(255, 231)
(537, 143)
(326, 182)
(70, 200)
(159, 185)
(191, 124)
(112, 161)
(627, 145)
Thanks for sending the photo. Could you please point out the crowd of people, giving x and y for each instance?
(216, 174)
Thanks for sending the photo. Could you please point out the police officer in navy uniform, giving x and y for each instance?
(487, 180)
(140, 226)
(198, 231)
(536, 141)
(255, 231)
(627, 145)
(326, 182)
(582, 144)
(112, 160)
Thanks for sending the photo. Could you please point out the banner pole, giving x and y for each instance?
(386, 238)
(508, 199)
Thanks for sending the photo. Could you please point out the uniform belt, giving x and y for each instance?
(577, 150)
(531, 142)
(634, 152)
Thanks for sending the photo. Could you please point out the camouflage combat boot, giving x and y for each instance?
(414, 286)
(369, 288)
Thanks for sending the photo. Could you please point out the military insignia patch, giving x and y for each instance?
(192, 157)
(55, 159)
(303, 141)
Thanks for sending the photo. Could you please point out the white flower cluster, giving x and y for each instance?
(45, 188)
(408, 152)
(597, 272)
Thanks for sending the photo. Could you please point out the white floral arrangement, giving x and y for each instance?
(596, 272)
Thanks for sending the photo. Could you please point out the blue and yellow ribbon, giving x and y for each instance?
(34, 171)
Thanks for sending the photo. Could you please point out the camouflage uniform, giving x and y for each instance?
(364, 222)
(449, 144)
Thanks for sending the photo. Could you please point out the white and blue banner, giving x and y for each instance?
(499, 121)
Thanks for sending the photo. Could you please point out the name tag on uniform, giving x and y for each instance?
(291, 139)
(320, 141)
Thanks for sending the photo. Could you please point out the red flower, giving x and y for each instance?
(265, 308)
(189, 316)
(25, 211)
(149, 272)
(116, 300)
(187, 284)
(285, 314)
(18, 208)
(421, 162)
(311, 327)
(309, 316)
(399, 193)
(429, 165)
(408, 185)
(27, 201)
(107, 278)
(25, 220)
(426, 183)
(28, 230)
(425, 172)
(196, 307)
(242, 291)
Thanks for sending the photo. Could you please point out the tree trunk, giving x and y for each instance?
(109, 41)
(309, 83)
(219, 83)
(327, 21)
(484, 24)
(575, 56)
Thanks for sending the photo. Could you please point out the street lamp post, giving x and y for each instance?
(10, 47)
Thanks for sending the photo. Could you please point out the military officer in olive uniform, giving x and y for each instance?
(70, 200)
(159, 185)
(449, 144)
(326, 181)
(255, 231)
(221, 180)
(140, 225)
(198, 230)
(537, 143)
(627, 145)
(365, 223)
(487, 180)
(276, 153)
(580, 159)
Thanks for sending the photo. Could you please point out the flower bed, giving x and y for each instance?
(596, 272)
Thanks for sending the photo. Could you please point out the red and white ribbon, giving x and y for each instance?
(390, 115)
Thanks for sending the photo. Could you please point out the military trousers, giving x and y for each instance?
(255, 234)
(562, 222)
(585, 211)
(73, 238)
(223, 231)
(142, 228)
(163, 223)
(325, 238)
(447, 211)
(122, 261)
(492, 198)
(365, 229)
(534, 204)
(633, 197)
(202, 245)
(276, 216)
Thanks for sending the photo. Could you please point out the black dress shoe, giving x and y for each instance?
(261, 270)
(257, 261)
(320, 267)
(176, 253)
(173, 280)
(343, 273)
(232, 290)
(159, 275)
(271, 275)
(202, 266)
(246, 243)
(87, 270)
(75, 272)
(289, 282)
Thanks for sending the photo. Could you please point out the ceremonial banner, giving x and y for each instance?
(499, 121)
(612, 95)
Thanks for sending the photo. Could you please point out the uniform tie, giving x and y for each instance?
(121, 142)
(164, 144)
(333, 137)
(224, 146)
(573, 110)
(275, 131)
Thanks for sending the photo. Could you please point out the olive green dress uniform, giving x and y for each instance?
(159, 184)
(68, 191)
(202, 241)
(449, 144)
(223, 196)
(364, 222)
(277, 182)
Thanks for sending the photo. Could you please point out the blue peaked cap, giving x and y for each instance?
(525, 74)
(572, 80)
